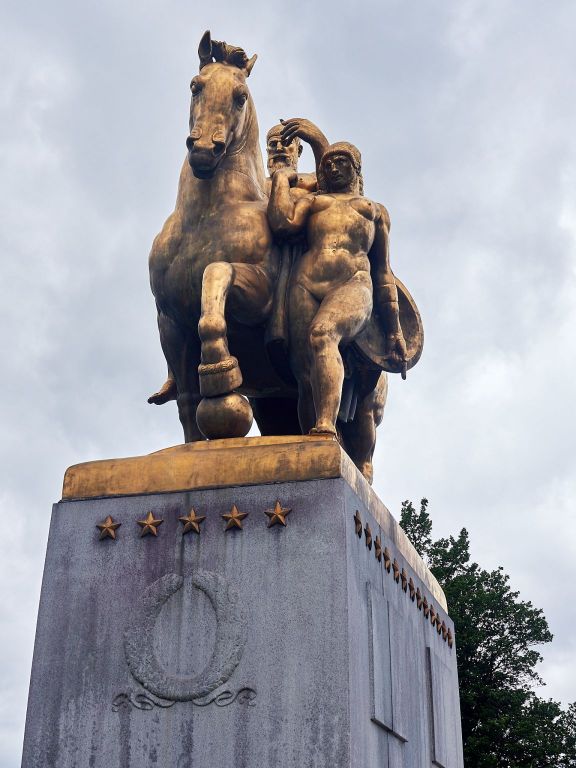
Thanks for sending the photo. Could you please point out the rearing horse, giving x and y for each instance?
(214, 265)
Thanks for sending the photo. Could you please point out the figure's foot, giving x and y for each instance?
(168, 391)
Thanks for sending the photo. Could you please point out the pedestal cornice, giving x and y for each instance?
(243, 461)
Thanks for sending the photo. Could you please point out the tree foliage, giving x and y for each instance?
(504, 723)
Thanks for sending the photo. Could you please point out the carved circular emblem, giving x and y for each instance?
(228, 646)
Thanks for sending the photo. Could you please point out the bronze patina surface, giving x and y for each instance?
(275, 296)
(192, 522)
(209, 464)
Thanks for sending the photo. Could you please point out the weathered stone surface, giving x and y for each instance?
(236, 462)
(264, 647)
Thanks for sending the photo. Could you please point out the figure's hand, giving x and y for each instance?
(396, 350)
(303, 129)
(288, 173)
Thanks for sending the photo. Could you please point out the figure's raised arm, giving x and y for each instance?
(287, 215)
(308, 132)
(385, 291)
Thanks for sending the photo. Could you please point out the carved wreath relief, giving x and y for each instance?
(231, 632)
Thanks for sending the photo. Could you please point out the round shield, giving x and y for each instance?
(371, 343)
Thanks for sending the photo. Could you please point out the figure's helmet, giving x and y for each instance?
(342, 148)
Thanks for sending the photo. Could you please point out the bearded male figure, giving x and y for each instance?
(332, 284)
(283, 150)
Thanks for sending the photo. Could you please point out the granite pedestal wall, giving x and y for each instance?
(322, 643)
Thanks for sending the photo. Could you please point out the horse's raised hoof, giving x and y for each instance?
(225, 416)
(219, 378)
(168, 391)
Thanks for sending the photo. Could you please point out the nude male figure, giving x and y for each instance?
(283, 150)
(333, 282)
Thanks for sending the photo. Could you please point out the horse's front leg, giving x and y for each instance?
(219, 370)
(246, 287)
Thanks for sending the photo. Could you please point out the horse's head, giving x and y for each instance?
(220, 104)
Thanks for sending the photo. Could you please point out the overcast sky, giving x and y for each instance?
(465, 115)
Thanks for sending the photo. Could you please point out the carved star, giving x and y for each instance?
(404, 577)
(412, 589)
(387, 560)
(234, 518)
(444, 630)
(419, 599)
(396, 569)
(108, 528)
(191, 522)
(368, 534)
(450, 640)
(358, 524)
(378, 548)
(149, 525)
(277, 515)
(425, 607)
(432, 616)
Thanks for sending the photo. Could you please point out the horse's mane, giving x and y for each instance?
(225, 54)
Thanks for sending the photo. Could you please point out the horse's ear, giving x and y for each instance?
(205, 49)
(250, 63)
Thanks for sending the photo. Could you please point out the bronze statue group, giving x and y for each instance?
(275, 295)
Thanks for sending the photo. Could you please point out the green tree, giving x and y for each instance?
(504, 723)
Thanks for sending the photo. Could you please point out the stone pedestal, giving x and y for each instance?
(322, 643)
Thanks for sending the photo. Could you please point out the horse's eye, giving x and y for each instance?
(195, 87)
(241, 99)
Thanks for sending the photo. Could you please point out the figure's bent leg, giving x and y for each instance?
(342, 315)
(327, 377)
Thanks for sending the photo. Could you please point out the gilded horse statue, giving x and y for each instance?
(217, 244)
(214, 273)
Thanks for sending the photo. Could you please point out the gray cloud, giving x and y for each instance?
(464, 113)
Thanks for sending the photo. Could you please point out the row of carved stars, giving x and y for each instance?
(192, 522)
(401, 577)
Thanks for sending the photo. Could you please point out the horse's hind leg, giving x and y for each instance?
(182, 352)
(359, 435)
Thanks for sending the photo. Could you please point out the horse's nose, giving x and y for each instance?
(219, 146)
(215, 146)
